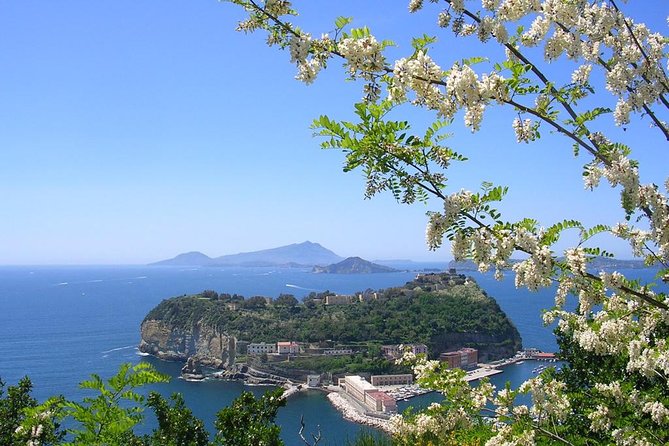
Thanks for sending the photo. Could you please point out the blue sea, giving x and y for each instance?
(60, 324)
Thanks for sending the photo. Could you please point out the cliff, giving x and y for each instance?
(204, 343)
(444, 311)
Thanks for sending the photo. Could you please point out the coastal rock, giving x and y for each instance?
(191, 370)
(207, 345)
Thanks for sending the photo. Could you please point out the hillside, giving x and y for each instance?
(440, 310)
(354, 265)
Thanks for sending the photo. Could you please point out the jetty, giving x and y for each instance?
(351, 413)
(481, 372)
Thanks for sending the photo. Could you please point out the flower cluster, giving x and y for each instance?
(362, 55)
(525, 130)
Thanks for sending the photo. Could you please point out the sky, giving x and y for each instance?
(133, 131)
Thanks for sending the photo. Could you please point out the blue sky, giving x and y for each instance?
(133, 131)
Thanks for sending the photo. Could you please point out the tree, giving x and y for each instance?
(249, 421)
(255, 303)
(209, 294)
(176, 424)
(21, 420)
(618, 68)
(109, 417)
(287, 300)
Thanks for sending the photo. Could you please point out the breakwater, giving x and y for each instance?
(349, 412)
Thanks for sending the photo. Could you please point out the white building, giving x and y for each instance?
(337, 351)
(338, 299)
(392, 380)
(366, 394)
(260, 348)
(397, 350)
(285, 347)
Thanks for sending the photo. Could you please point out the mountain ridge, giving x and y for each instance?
(303, 254)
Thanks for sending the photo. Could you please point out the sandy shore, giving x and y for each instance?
(352, 414)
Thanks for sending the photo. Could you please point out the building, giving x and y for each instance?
(392, 380)
(285, 348)
(313, 380)
(380, 401)
(366, 394)
(397, 350)
(337, 351)
(465, 358)
(366, 297)
(260, 348)
(338, 299)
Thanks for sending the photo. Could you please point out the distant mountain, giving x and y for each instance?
(296, 255)
(193, 258)
(354, 265)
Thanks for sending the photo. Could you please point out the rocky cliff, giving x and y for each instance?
(204, 343)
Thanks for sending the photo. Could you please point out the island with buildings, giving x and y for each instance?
(346, 344)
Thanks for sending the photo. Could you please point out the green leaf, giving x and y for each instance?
(341, 21)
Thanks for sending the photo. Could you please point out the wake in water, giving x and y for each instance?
(118, 348)
(290, 285)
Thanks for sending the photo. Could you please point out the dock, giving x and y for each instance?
(481, 372)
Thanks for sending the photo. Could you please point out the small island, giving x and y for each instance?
(443, 311)
(354, 265)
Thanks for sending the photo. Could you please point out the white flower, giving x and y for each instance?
(582, 74)
(525, 130)
(415, 5)
(576, 260)
(621, 115)
(362, 54)
(299, 48)
(658, 412)
(599, 419)
(537, 31)
(444, 19)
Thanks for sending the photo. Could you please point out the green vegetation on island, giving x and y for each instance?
(443, 311)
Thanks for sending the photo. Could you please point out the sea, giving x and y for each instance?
(59, 324)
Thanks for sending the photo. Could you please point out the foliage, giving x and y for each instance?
(109, 417)
(368, 439)
(250, 421)
(176, 424)
(287, 300)
(619, 72)
(346, 364)
(21, 420)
